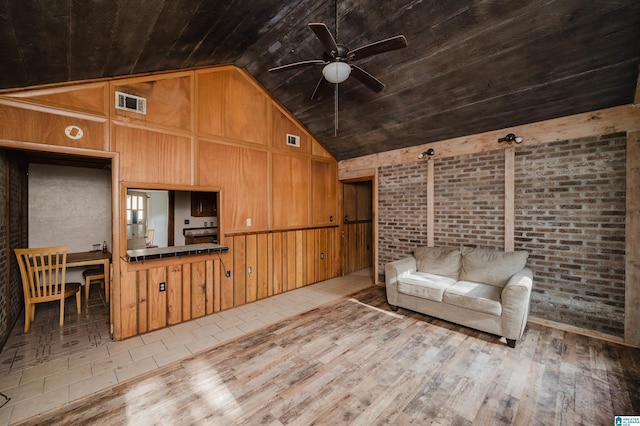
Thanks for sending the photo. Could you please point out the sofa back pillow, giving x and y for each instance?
(492, 267)
(441, 261)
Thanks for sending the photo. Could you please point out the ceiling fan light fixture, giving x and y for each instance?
(336, 72)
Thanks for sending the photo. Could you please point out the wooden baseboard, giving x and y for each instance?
(579, 330)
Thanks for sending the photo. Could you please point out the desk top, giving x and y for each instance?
(87, 256)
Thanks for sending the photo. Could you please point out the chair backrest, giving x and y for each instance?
(43, 271)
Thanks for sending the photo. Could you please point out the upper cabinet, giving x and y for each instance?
(204, 204)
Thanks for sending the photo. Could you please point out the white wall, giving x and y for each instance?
(70, 206)
(158, 216)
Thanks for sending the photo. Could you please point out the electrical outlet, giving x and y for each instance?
(249, 270)
(163, 286)
(227, 274)
(186, 221)
(321, 255)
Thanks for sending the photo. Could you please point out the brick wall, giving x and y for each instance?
(13, 234)
(468, 204)
(469, 200)
(402, 210)
(570, 212)
(570, 215)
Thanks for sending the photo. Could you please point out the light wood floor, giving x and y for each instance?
(356, 362)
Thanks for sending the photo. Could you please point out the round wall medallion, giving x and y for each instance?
(73, 132)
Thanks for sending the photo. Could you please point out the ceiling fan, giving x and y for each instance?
(337, 60)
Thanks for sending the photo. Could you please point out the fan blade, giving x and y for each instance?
(324, 35)
(321, 88)
(297, 65)
(393, 43)
(367, 79)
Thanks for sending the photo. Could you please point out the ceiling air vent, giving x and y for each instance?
(293, 140)
(132, 103)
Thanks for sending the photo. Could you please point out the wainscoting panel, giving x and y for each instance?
(164, 292)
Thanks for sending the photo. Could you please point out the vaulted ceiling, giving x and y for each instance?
(470, 66)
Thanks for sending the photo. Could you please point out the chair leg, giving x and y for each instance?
(61, 311)
(27, 317)
(106, 290)
(87, 284)
(79, 301)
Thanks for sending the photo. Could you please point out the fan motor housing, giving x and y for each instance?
(341, 54)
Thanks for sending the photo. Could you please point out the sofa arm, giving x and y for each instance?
(392, 272)
(516, 296)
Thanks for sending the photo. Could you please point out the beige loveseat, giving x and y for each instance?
(487, 290)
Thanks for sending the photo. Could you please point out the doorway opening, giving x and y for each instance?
(62, 199)
(358, 227)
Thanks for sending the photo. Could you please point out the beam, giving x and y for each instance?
(602, 122)
(632, 251)
(509, 198)
(430, 201)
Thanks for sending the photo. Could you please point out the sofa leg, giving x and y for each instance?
(511, 343)
(394, 308)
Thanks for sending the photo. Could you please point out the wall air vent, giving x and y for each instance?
(132, 103)
(293, 140)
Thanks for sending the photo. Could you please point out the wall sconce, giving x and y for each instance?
(510, 138)
(430, 152)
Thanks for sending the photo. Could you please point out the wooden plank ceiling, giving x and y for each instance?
(471, 66)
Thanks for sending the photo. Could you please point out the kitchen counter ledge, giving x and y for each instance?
(140, 255)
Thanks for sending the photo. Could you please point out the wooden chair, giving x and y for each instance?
(95, 274)
(43, 272)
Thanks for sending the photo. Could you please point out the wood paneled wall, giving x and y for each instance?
(203, 129)
(260, 265)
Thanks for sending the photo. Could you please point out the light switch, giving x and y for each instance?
(248, 221)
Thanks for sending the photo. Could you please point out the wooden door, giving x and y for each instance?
(357, 227)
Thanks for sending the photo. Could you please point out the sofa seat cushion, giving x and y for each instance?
(424, 285)
(475, 296)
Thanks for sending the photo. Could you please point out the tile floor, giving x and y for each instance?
(52, 366)
(47, 341)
